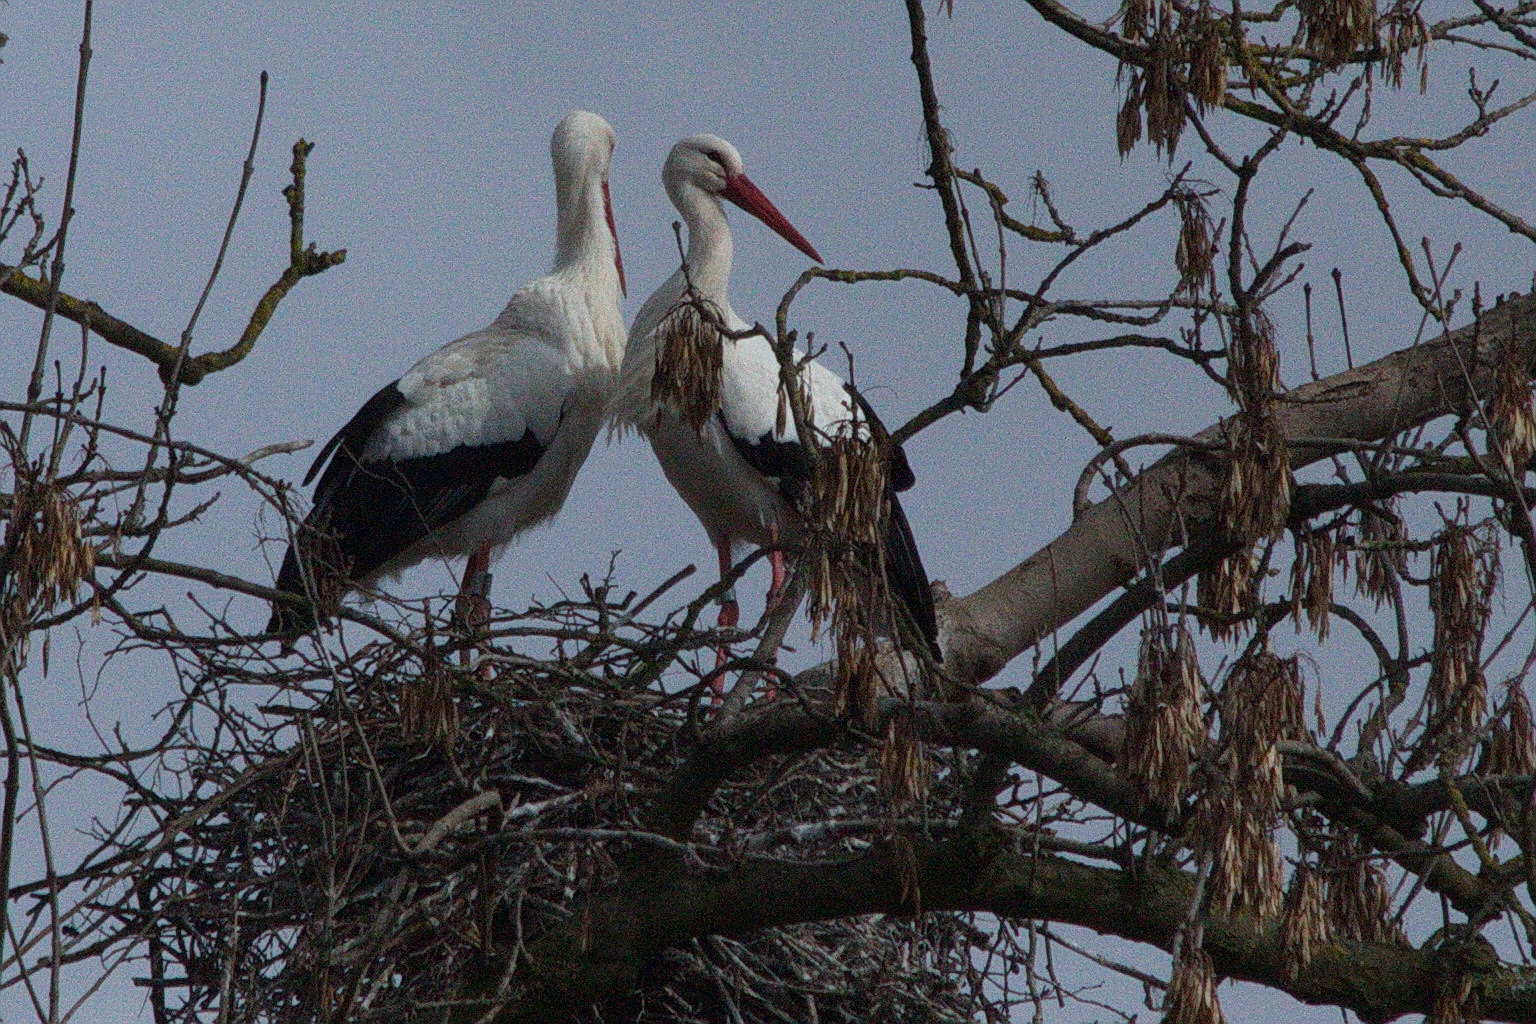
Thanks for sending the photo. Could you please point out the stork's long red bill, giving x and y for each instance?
(740, 190)
(618, 257)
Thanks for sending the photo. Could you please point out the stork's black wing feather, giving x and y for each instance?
(353, 438)
(783, 462)
(908, 579)
(897, 469)
(378, 509)
(366, 513)
(786, 463)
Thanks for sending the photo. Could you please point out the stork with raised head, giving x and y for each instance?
(741, 474)
(483, 438)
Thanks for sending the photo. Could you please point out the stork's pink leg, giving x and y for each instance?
(473, 607)
(776, 561)
(474, 601)
(730, 615)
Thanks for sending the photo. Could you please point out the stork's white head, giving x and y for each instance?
(583, 143)
(582, 152)
(709, 163)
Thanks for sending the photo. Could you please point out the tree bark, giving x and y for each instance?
(1177, 497)
(667, 904)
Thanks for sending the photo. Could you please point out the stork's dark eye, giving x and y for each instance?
(715, 155)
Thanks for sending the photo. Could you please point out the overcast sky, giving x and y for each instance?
(431, 123)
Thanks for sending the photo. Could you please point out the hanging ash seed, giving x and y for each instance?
(689, 363)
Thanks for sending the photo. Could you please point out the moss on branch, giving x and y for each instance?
(303, 261)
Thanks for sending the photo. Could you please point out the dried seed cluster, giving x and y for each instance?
(1317, 554)
(1164, 729)
(1140, 19)
(1379, 556)
(1191, 995)
(1195, 255)
(428, 710)
(1510, 748)
(1256, 495)
(1256, 487)
(1509, 410)
(1338, 32)
(1358, 905)
(1262, 704)
(848, 587)
(1207, 58)
(1156, 91)
(1188, 62)
(1304, 925)
(1402, 31)
(1463, 573)
(904, 771)
(47, 556)
(1333, 30)
(1249, 872)
(690, 358)
(850, 486)
(1227, 590)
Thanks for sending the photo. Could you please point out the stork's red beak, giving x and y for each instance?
(740, 190)
(618, 257)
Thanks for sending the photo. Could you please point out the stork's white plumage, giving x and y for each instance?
(483, 438)
(741, 475)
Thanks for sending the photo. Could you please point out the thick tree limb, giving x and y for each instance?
(979, 723)
(1308, 501)
(664, 905)
(1177, 497)
(1020, 736)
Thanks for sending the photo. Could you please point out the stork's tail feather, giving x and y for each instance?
(291, 618)
(907, 577)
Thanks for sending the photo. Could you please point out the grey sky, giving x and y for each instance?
(431, 123)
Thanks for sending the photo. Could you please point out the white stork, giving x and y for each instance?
(483, 438)
(742, 476)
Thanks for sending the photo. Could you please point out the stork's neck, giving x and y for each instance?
(709, 244)
(581, 231)
(586, 257)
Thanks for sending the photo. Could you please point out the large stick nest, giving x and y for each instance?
(350, 848)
